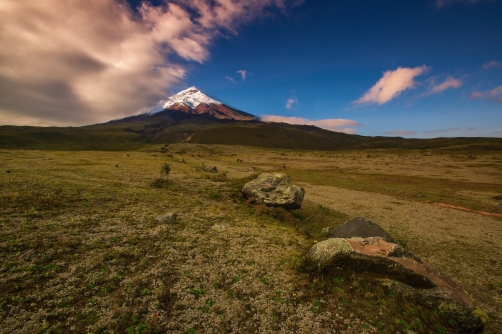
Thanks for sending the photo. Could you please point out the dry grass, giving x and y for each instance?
(82, 252)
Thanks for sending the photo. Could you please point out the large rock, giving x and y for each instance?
(274, 189)
(360, 227)
(403, 271)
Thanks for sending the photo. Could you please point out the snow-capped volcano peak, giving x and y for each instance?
(193, 101)
(191, 97)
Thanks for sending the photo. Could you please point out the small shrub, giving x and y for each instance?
(164, 170)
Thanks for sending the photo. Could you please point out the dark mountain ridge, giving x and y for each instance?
(193, 117)
(172, 126)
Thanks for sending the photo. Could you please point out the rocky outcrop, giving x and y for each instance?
(274, 189)
(402, 271)
(166, 218)
(360, 227)
(211, 169)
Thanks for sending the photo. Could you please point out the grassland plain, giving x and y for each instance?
(82, 251)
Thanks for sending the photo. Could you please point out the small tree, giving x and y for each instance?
(164, 170)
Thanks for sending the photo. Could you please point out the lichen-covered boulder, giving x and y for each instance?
(274, 189)
(360, 227)
(403, 271)
(323, 253)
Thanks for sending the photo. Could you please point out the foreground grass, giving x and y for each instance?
(82, 252)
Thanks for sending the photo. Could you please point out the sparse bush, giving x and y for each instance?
(162, 181)
(165, 170)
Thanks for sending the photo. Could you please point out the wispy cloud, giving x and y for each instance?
(401, 133)
(291, 103)
(494, 95)
(492, 64)
(243, 74)
(339, 125)
(391, 85)
(230, 79)
(470, 128)
(76, 62)
(449, 82)
(442, 130)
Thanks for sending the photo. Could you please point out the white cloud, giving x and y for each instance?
(291, 103)
(492, 64)
(449, 82)
(243, 74)
(80, 62)
(339, 125)
(230, 79)
(494, 95)
(401, 133)
(391, 85)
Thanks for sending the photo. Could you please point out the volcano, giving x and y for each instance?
(193, 101)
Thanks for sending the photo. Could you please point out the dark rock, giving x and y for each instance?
(274, 189)
(211, 169)
(360, 227)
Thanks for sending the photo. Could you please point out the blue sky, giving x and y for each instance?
(327, 56)
(411, 68)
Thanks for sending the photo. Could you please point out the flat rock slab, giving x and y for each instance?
(362, 228)
(219, 228)
(274, 189)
